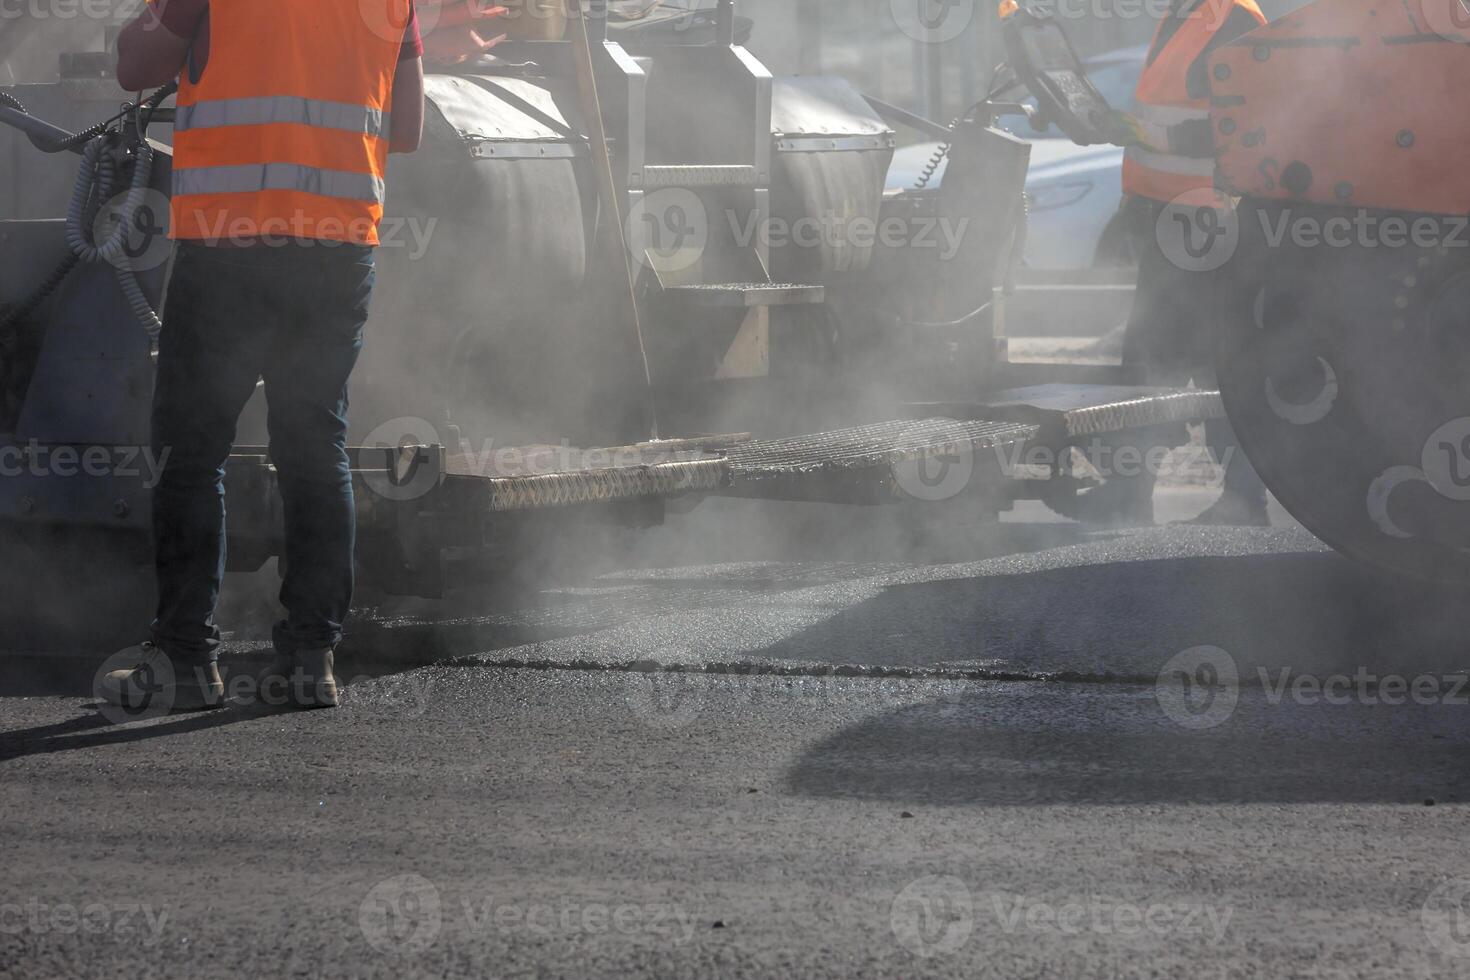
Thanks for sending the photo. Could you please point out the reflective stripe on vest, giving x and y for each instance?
(287, 109)
(252, 178)
(1202, 167)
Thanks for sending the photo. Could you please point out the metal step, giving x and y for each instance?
(747, 294)
(697, 175)
(1076, 410)
(545, 477)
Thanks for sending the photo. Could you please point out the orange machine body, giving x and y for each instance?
(1353, 103)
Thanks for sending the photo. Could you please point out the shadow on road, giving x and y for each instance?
(1287, 615)
(1090, 749)
(1307, 611)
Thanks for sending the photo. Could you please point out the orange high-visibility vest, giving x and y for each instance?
(286, 132)
(1154, 170)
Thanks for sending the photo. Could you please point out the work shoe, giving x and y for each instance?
(156, 685)
(301, 681)
(1233, 510)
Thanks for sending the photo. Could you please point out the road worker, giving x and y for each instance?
(1168, 173)
(287, 111)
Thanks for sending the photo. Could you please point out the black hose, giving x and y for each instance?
(88, 135)
(55, 146)
(31, 303)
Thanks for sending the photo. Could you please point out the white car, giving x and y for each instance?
(1072, 192)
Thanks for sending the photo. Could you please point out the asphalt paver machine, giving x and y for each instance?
(799, 332)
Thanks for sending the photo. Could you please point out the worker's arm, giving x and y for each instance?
(149, 55)
(408, 106)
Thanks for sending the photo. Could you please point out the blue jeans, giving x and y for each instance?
(293, 315)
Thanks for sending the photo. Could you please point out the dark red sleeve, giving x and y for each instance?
(413, 44)
(181, 17)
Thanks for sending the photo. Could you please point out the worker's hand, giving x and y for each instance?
(452, 30)
(1125, 129)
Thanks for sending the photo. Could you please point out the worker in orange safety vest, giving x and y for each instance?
(1169, 183)
(287, 111)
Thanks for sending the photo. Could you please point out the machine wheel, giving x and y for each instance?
(1343, 373)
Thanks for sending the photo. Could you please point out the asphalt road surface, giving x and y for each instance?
(789, 743)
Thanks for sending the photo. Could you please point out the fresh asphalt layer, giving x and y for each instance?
(794, 745)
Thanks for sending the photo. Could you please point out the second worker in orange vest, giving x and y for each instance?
(1170, 336)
